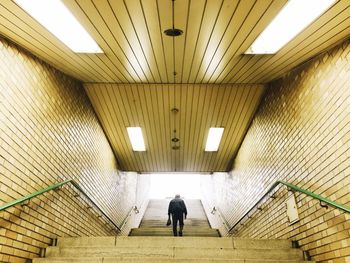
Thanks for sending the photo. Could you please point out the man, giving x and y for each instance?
(177, 209)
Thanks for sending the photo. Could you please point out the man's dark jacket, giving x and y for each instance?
(177, 206)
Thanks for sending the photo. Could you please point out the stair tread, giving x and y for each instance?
(157, 260)
(161, 241)
(171, 252)
(170, 229)
(87, 248)
(171, 249)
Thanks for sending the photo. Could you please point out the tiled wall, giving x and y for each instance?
(210, 196)
(140, 204)
(301, 134)
(48, 133)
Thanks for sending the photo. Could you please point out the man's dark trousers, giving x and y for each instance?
(178, 216)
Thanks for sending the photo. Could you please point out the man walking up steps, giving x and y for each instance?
(177, 209)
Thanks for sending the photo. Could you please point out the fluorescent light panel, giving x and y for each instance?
(295, 16)
(213, 140)
(136, 139)
(56, 18)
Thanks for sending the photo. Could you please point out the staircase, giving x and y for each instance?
(151, 243)
(156, 215)
(171, 250)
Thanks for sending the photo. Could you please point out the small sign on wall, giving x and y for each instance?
(292, 210)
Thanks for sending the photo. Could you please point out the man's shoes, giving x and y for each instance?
(180, 234)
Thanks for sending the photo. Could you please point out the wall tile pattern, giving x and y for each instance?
(300, 134)
(135, 216)
(48, 133)
(210, 194)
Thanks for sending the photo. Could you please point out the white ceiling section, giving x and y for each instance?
(210, 51)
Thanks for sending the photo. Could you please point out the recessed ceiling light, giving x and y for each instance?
(295, 16)
(56, 18)
(136, 139)
(213, 140)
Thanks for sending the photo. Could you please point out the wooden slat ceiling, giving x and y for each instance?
(216, 34)
(200, 106)
(142, 73)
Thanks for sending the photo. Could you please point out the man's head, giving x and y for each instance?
(177, 196)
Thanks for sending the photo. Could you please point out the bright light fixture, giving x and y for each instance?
(213, 140)
(295, 16)
(136, 139)
(56, 18)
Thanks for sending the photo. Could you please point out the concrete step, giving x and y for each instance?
(163, 224)
(171, 250)
(168, 232)
(175, 252)
(170, 227)
(157, 260)
(165, 228)
(187, 221)
(191, 228)
(194, 242)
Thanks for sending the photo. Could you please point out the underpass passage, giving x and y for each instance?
(156, 215)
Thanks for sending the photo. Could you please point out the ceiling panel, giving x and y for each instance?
(200, 106)
(320, 35)
(136, 81)
(216, 34)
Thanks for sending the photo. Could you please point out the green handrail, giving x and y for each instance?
(53, 187)
(295, 188)
(316, 196)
